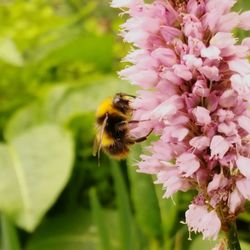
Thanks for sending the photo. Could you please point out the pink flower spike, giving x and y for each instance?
(243, 186)
(239, 84)
(212, 53)
(192, 61)
(169, 33)
(228, 22)
(122, 3)
(223, 40)
(219, 146)
(202, 116)
(175, 184)
(246, 42)
(164, 110)
(244, 123)
(229, 129)
(200, 89)
(243, 163)
(179, 133)
(166, 56)
(144, 78)
(194, 216)
(219, 181)
(212, 101)
(183, 72)
(196, 8)
(244, 20)
(235, 201)
(193, 75)
(200, 142)
(228, 98)
(225, 5)
(211, 73)
(199, 219)
(188, 164)
(240, 66)
(211, 225)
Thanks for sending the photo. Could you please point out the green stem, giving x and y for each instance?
(9, 234)
(232, 237)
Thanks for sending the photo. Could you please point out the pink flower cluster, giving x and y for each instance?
(195, 91)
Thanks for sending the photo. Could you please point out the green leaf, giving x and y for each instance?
(9, 52)
(144, 197)
(127, 233)
(169, 211)
(68, 231)
(99, 221)
(23, 120)
(95, 50)
(73, 231)
(37, 165)
(199, 243)
(244, 245)
(9, 235)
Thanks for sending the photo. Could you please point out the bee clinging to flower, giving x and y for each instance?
(113, 118)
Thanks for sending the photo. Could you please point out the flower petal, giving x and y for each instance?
(219, 146)
(243, 163)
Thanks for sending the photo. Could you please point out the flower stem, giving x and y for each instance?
(232, 237)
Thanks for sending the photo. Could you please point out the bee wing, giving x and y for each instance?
(95, 145)
(98, 140)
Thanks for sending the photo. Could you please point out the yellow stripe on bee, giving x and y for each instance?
(106, 140)
(107, 107)
(104, 107)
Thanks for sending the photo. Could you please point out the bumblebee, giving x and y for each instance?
(113, 117)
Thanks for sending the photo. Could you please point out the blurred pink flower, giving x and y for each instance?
(199, 219)
(194, 77)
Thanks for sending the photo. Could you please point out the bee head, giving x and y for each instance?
(122, 102)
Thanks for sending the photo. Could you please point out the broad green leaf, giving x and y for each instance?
(9, 235)
(144, 197)
(9, 52)
(34, 168)
(99, 221)
(24, 119)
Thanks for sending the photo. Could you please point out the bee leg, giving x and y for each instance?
(137, 121)
(131, 122)
(125, 94)
(141, 139)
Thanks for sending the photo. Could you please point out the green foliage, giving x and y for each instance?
(9, 235)
(127, 234)
(66, 232)
(58, 61)
(35, 176)
(99, 221)
(147, 212)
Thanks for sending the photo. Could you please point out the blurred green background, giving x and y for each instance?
(58, 61)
